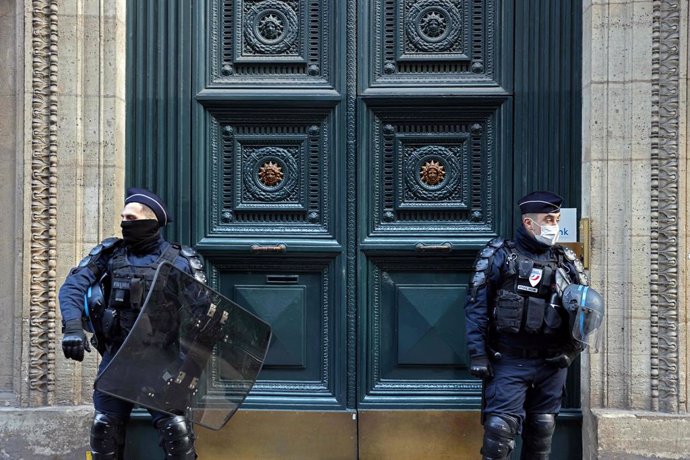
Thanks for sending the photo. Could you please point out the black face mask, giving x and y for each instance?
(140, 236)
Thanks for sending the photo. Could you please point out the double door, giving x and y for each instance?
(344, 162)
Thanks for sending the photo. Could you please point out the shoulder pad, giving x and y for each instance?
(496, 242)
(491, 247)
(194, 261)
(104, 245)
(85, 261)
(569, 254)
(478, 279)
(110, 242)
(581, 275)
(200, 276)
(187, 252)
(481, 264)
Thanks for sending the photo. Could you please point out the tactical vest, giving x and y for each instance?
(526, 301)
(129, 286)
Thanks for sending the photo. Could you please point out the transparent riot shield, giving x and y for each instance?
(190, 352)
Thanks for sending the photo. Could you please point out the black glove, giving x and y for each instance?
(481, 367)
(74, 340)
(563, 360)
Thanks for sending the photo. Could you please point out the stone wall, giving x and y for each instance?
(634, 191)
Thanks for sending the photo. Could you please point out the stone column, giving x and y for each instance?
(12, 58)
(90, 149)
(634, 152)
(74, 120)
(71, 63)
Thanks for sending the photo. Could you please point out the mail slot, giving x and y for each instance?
(282, 279)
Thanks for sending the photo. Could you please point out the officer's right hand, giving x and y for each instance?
(74, 340)
(480, 367)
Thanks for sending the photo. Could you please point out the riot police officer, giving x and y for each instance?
(121, 271)
(518, 333)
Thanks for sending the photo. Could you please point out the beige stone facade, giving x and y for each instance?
(635, 184)
(62, 94)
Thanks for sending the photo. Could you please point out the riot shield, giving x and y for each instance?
(190, 352)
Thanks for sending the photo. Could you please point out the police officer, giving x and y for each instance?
(124, 269)
(518, 333)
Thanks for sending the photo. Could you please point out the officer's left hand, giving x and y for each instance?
(563, 360)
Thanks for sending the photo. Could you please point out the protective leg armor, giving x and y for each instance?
(536, 436)
(107, 437)
(176, 437)
(499, 436)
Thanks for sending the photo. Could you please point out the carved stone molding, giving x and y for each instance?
(664, 370)
(43, 304)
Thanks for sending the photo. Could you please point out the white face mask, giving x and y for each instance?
(549, 233)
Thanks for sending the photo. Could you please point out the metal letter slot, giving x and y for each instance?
(282, 279)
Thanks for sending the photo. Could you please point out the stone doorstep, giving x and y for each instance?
(641, 434)
(45, 433)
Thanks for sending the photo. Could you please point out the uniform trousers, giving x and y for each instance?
(523, 386)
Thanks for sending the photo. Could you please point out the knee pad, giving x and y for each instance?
(536, 435)
(499, 436)
(107, 437)
(176, 437)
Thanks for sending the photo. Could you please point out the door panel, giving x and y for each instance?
(271, 44)
(416, 355)
(435, 43)
(433, 170)
(270, 173)
(297, 296)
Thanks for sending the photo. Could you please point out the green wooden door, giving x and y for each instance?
(338, 164)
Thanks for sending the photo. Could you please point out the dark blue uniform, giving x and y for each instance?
(114, 259)
(525, 341)
(71, 298)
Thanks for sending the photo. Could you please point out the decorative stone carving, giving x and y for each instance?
(43, 303)
(664, 206)
(433, 26)
(447, 42)
(271, 27)
(270, 173)
(265, 42)
(432, 172)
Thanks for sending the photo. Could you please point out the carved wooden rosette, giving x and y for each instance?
(664, 206)
(43, 302)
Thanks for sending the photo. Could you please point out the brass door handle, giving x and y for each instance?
(259, 248)
(441, 247)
